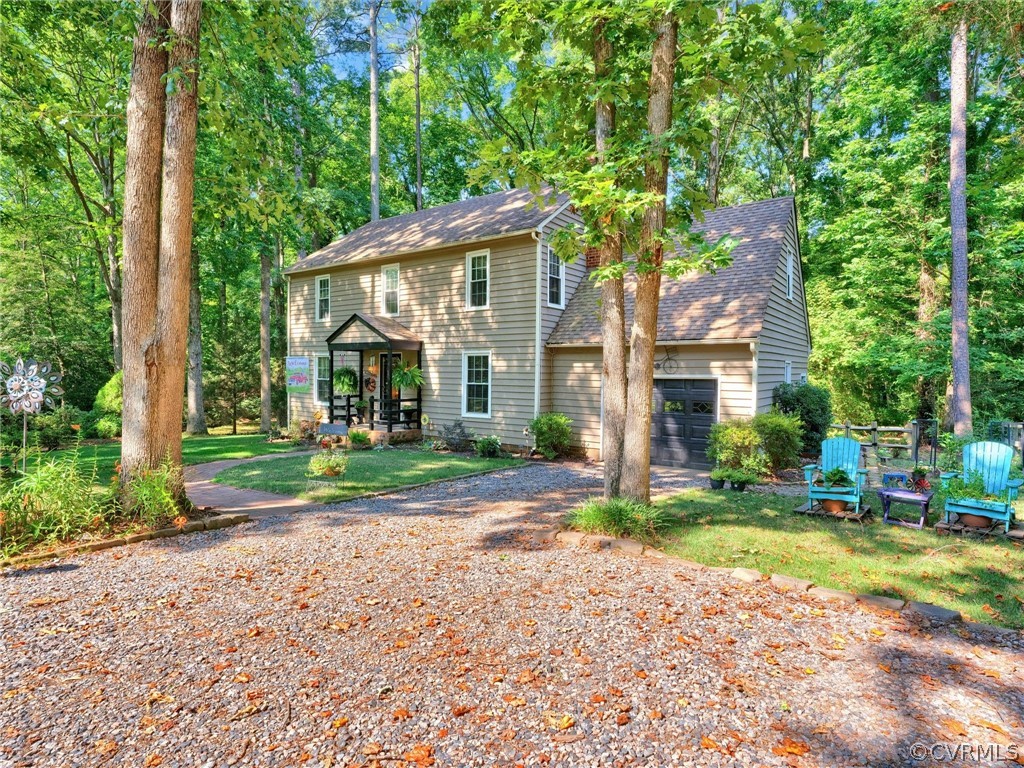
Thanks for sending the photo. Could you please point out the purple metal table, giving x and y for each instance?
(903, 496)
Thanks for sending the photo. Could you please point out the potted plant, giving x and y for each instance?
(406, 376)
(919, 480)
(718, 477)
(346, 381)
(409, 416)
(328, 464)
(739, 479)
(973, 488)
(836, 477)
(361, 406)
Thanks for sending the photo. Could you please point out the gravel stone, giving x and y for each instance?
(350, 635)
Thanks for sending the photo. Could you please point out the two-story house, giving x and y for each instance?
(503, 330)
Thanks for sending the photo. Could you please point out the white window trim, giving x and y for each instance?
(787, 373)
(383, 290)
(561, 278)
(316, 379)
(469, 260)
(316, 298)
(790, 277)
(490, 382)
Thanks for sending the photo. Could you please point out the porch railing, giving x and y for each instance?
(379, 413)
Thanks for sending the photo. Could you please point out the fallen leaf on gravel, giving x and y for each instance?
(989, 724)
(790, 747)
(655, 714)
(339, 722)
(152, 760)
(955, 727)
(567, 738)
(461, 709)
(39, 602)
(401, 714)
(515, 701)
(597, 698)
(622, 719)
(885, 668)
(242, 677)
(253, 632)
(991, 673)
(373, 748)
(105, 747)
(708, 743)
(558, 720)
(421, 754)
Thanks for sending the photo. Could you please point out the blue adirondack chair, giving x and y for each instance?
(990, 461)
(843, 452)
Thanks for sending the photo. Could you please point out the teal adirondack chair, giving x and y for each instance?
(992, 462)
(841, 452)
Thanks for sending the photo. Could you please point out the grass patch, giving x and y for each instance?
(368, 471)
(195, 450)
(621, 517)
(979, 577)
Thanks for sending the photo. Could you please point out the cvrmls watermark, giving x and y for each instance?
(966, 752)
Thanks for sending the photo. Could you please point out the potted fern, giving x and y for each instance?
(406, 376)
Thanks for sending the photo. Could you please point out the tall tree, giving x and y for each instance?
(961, 395)
(374, 111)
(159, 180)
(195, 422)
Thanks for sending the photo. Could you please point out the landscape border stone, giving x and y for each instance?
(206, 524)
(933, 613)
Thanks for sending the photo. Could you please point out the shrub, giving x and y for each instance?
(455, 436)
(59, 426)
(152, 495)
(56, 499)
(951, 457)
(814, 407)
(110, 397)
(780, 438)
(360, 440)
(734, 444)
(107, 426)
(488, 447)
(552, 433)
(620, 517)
(329, 464)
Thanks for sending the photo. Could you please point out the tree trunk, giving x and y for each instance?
(613, 308)
(196, 423)
(636, 470)
(929, 298)
(279, 338)
(161, 218)
(374, 116)
(419, 126)
(962, 416)
(266, 407)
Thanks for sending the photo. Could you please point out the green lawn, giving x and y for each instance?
(981, 578)
(367, 471)
(195, 450)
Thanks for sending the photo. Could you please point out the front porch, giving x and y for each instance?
(363, 356)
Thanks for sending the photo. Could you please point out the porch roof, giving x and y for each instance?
(363, 331)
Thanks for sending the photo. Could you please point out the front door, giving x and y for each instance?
(684, 410)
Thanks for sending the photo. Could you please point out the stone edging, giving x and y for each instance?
(207, 524)
(932, 614)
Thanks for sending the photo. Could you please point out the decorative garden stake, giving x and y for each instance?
(25, 389)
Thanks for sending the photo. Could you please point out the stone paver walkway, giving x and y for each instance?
(429, 627)
(229, 500)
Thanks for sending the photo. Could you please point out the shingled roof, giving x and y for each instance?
(476, 218)
(729, 304)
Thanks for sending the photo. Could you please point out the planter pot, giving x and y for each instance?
(974, 521)
(833, 506)
(329, 473)
(738, 486)
(718, 484)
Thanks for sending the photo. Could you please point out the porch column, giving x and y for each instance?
(419, 389)
(330, 376)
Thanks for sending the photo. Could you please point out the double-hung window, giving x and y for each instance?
(323, 298)
(323, 380)
(556, 280)
(389, 293)
(478, 279)
(476, 384)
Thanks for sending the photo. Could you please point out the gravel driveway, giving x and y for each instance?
(429, 628)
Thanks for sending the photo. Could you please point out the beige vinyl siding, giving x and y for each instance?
(784, 335)
(576, 381)
(574, 273)
(433, 305)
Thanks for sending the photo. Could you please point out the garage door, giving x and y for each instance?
(684, 410)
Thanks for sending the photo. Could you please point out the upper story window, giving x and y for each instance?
(789, 273)
(478, 279)
(389, 293)
(556, 280)
(323, 298)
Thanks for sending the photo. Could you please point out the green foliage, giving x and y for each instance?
(59, 426)
(488, 447)
(780, 436)
(328, 464)
(735, 444)
(152, 495)
(814, 407)
(552, 434)
(359, 439)
(56, 500)
(455, 436)
(837, 476)
(620, 517)
(737, 476)
(951, 451)
(346, 381)
(107, 426)
(957, 489)
(110, 398)
(406, 376)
